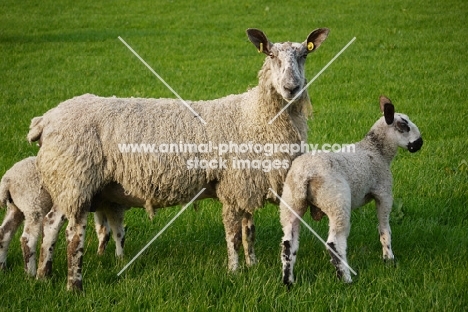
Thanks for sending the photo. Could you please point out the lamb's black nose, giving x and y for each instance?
(415, 145)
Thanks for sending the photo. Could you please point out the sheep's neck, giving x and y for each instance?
(376, 141)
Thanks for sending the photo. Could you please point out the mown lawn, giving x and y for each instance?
(412, 51)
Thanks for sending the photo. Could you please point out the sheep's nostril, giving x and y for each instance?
(293, 90)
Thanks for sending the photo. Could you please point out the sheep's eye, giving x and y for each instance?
(271, 55)
(402, 126)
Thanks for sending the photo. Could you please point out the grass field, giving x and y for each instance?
(412, 51)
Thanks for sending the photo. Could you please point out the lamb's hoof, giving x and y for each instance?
(390, 262)
(288, 280)
(347, 280)
(2, 266)
(345, 277)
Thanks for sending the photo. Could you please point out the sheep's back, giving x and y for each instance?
(83, 135)
(333, 173)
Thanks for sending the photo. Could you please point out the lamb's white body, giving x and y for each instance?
(335, 183)
(26, 200)
(80, 137)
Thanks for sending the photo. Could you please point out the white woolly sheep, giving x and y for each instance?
(335, 183)
(26, 200)
(80, 155)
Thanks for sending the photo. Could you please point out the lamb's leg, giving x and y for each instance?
(52, 224)
(337, 241)
(11, 222)
(75, 234)
(116, 219)
(248, 239)
(384, 207)
(291, 226)
(102, 230)
(232, 220)
(290, 243)
(29, 238)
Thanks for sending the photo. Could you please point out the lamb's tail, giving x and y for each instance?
(35, 130)
(5, 196)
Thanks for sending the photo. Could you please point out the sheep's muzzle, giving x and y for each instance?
(415, 145)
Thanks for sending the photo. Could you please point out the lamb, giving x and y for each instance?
(80, 155)
(335, 183)
(26, 200)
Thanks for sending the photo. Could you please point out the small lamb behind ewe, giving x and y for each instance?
(335, 183)
(26, 199)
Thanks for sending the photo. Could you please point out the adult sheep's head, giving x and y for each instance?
(286, 60)
(405, 133)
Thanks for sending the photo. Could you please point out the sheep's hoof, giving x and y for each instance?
(45, 272)
(75, 286)
(251, 261)
(390, 262)
(347, 280)
(30, 272)
(288, 279)
(2, 266)
(119, 258)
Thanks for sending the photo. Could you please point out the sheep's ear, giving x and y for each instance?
(387, 108)
(260, 40)
(35, 130)
(315, 39)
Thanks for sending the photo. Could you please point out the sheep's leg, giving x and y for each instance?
(116, 218)
(102, 230)
(29, 238)
(11, 222)
(384, 207)
(248, 239)
(290, 243)
(75, 234)
(52, 224)
(291, 226)
(337, 243)
(232, 220)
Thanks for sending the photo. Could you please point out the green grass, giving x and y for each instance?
(412, 51)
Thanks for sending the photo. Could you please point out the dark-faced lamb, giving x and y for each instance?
(27, 200)
(335, 183)
(79, 152)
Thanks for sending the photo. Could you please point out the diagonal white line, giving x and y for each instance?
(313, 232)
(310, 82)
(163, 81)
(160, 232)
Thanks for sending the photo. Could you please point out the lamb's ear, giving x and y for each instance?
(260, 40)
(387, 108)
(315, 39)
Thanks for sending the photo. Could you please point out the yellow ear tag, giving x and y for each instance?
(310, 46)
(260, 50)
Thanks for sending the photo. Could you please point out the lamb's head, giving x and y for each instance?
(286, 60)
(405, 133)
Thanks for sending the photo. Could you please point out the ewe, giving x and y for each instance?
(80, 137)
(26, 200)
(335, 183)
